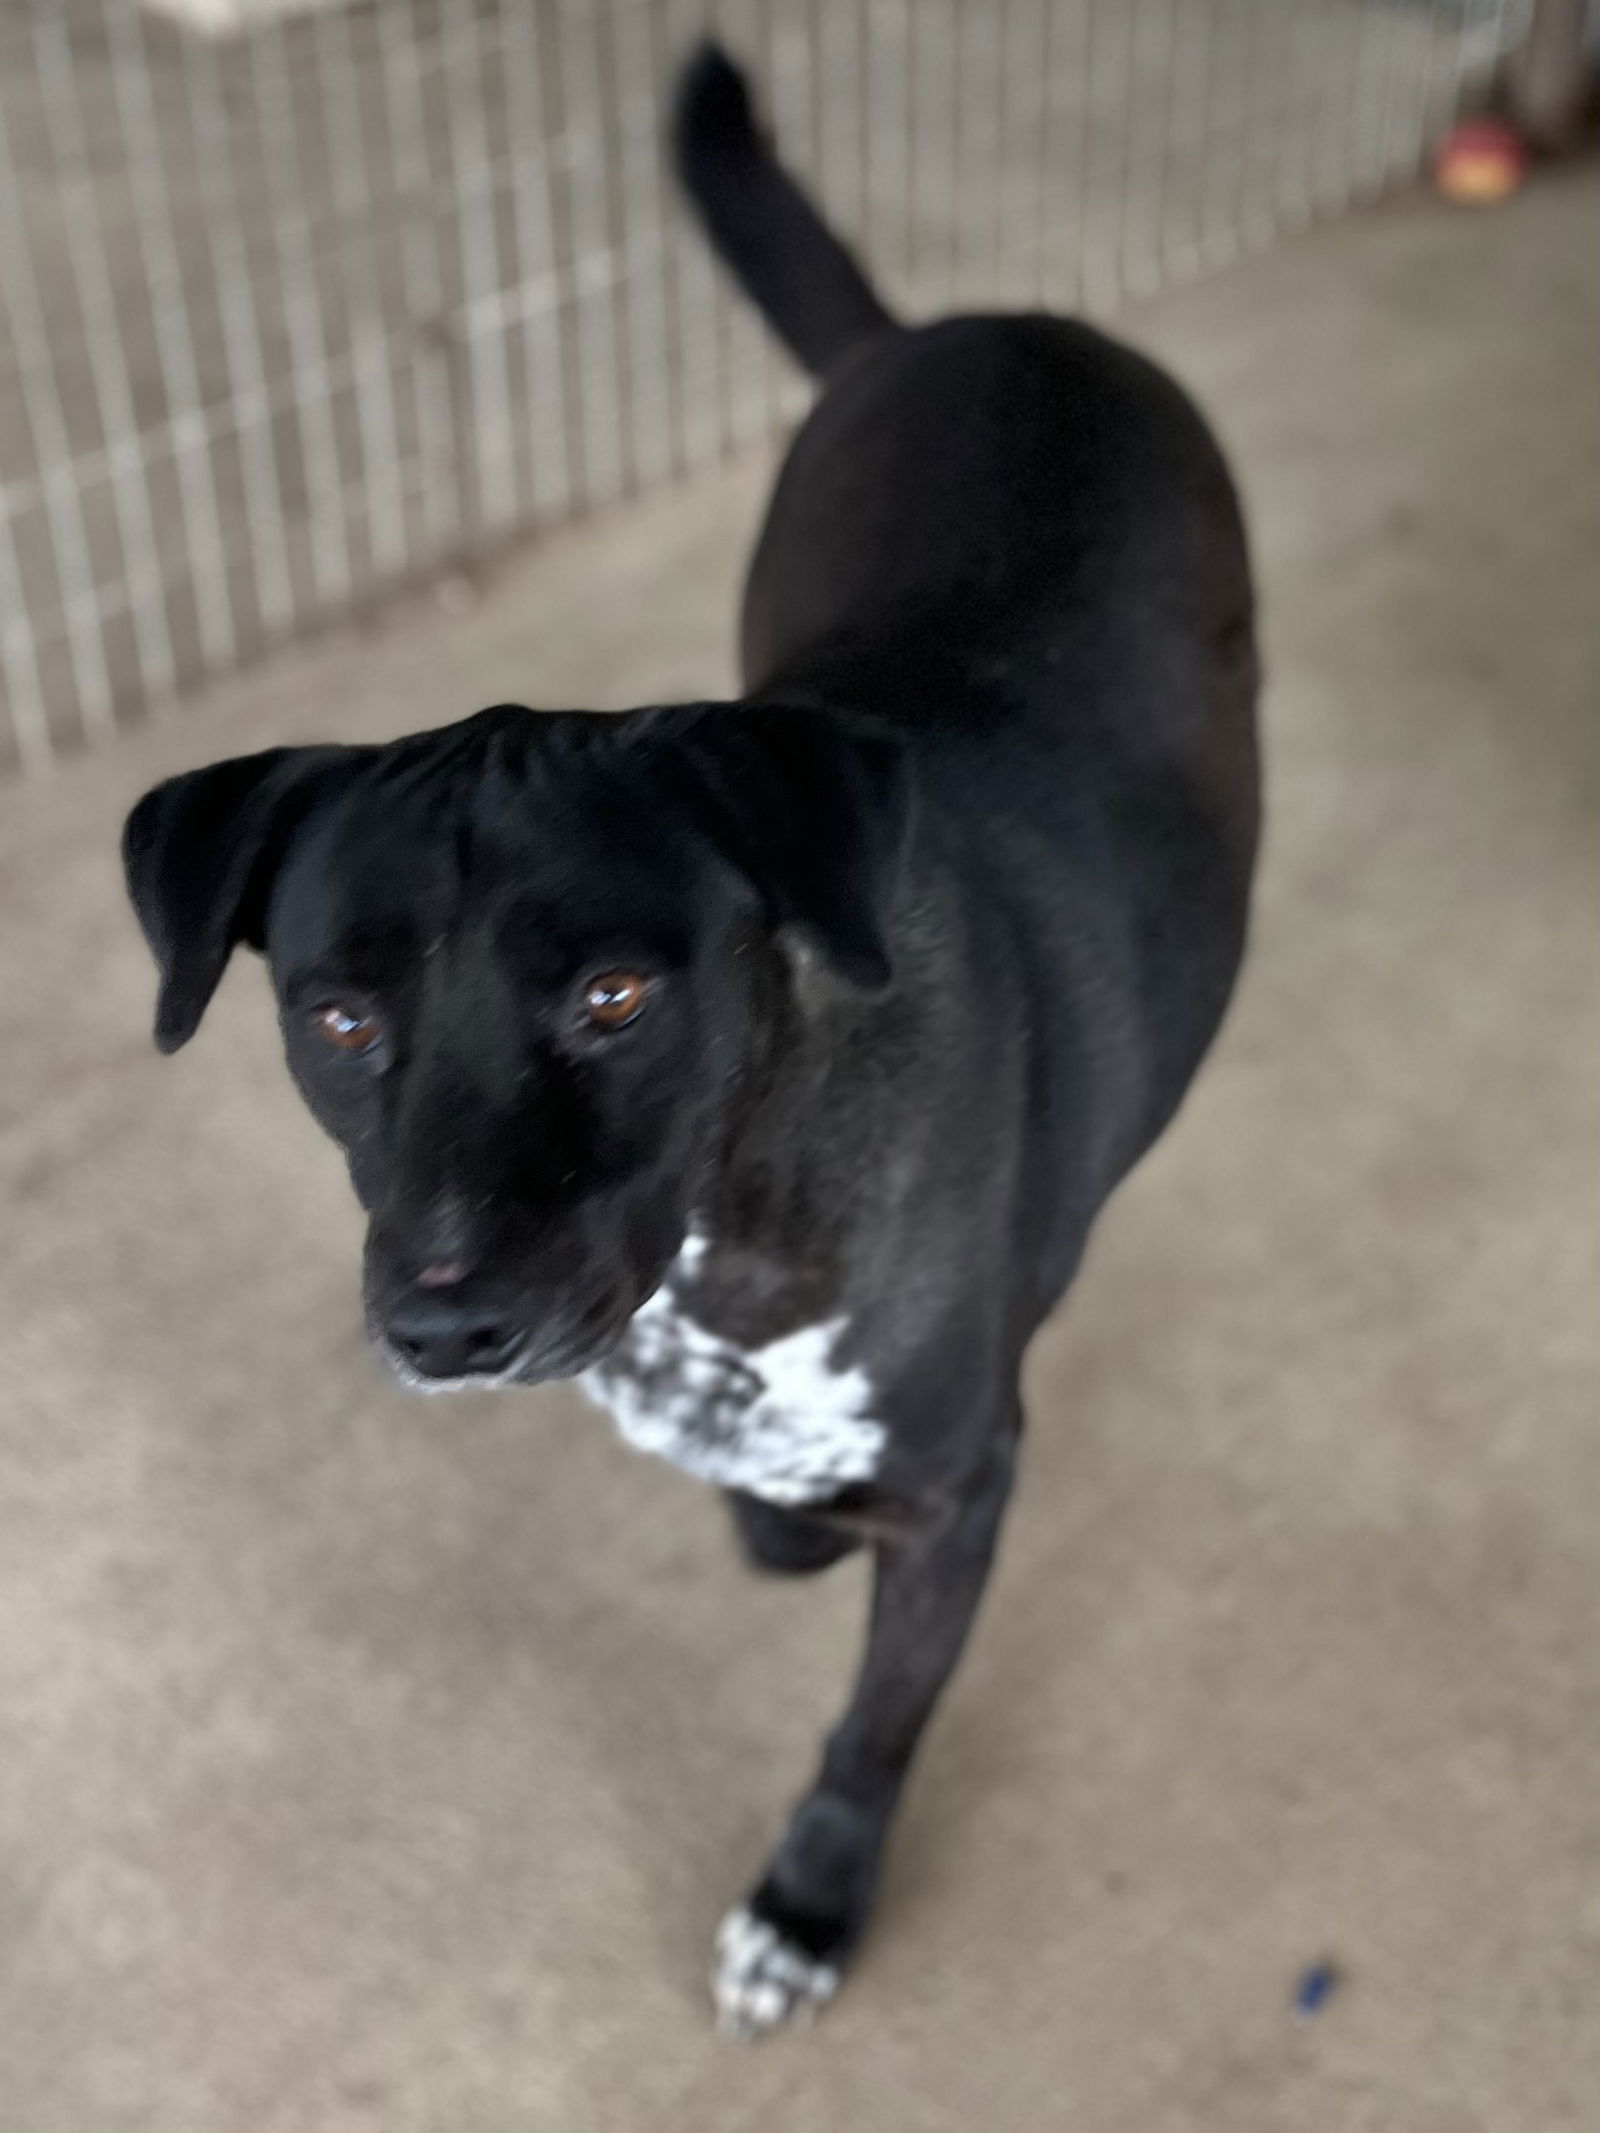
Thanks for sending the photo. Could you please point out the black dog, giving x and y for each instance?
(767, 1062)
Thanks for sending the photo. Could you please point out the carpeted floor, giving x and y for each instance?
(379, 1766)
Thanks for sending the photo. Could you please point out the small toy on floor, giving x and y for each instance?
(1480, 163)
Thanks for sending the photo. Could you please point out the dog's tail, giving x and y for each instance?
(814, 296)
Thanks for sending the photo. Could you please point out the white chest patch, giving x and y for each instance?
(780, 1422)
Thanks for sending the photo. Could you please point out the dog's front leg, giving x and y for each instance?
(781, 1953)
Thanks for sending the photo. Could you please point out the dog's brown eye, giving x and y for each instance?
(613, 998)
(350, 1032)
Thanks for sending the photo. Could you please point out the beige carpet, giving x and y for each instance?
(372, 1766)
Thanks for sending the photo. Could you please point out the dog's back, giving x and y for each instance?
(1016, 539)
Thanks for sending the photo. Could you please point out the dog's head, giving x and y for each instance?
(520, 970)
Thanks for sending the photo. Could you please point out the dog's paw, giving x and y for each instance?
(760, 1980)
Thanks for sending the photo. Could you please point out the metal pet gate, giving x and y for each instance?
(300, 302)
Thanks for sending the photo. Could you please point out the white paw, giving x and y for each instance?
(759, 1979)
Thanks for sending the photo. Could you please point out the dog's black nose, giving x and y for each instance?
(441, 1336)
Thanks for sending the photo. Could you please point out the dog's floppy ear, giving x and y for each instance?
(811, 804)
(199, 853)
